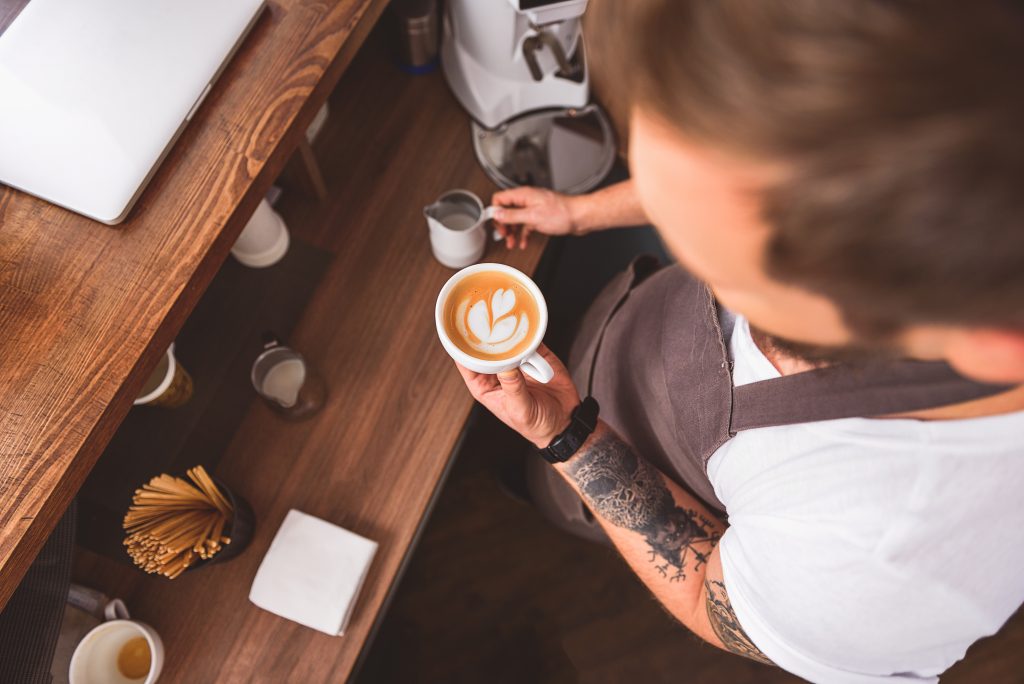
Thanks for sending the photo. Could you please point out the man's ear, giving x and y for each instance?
(988, 355)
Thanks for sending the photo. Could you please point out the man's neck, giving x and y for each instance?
(1009, 401)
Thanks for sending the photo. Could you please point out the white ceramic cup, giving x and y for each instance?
(317, 124)
(456, 224)
(172, 390)
(95, 658)
(151, 396)
(529, 361)
(264, 240)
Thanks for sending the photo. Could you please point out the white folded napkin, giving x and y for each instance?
(312, 573)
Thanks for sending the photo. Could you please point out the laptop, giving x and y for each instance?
(93, 93)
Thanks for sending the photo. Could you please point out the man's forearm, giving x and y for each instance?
(616, 205)
(664, 533)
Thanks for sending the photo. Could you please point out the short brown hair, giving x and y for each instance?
(901, 123)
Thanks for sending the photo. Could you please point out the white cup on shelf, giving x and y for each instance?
(264, 241)
(169, 385)
(317, 124)
(104, 657)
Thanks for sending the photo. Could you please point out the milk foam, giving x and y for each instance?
(489, 327)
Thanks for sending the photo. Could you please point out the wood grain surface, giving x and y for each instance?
(373, 459)
(86, 310)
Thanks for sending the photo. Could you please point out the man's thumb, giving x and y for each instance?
(513, 383)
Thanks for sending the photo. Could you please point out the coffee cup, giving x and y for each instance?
(118, 652)
(456, 224)
(491, 318)
(264, 240)
(169, 385)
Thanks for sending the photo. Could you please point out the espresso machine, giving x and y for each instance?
(519, 69)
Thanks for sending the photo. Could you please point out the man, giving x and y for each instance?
(845, 178)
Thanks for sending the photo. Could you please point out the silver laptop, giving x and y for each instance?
(93, 93)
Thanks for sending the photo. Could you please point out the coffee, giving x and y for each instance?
(134, 659)
(491, 315)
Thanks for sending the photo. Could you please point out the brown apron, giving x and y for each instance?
(652, 352)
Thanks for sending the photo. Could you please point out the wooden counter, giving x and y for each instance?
(86, 310)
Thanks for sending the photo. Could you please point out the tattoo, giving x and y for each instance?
(630, 493)
(727, 627)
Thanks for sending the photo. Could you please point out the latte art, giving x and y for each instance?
(491, 316)
(490, 326)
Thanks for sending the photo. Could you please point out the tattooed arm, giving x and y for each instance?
(666, 535)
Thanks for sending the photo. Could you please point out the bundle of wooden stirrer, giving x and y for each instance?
(172, 523)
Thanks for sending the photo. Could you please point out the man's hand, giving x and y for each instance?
(525, 209)
(537, 411)
(665, 533)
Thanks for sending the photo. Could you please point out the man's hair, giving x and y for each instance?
(899, 124)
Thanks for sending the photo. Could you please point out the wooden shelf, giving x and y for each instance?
(372, 460)
(87, 309)
(217, 346)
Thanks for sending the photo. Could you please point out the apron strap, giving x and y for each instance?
(844, 391)
(639, 270)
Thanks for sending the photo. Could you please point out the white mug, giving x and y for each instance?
(171, 389)
(529, 361)
(95, 658)
(264, 240)
(456, 223)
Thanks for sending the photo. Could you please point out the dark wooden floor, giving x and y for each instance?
(494, 594)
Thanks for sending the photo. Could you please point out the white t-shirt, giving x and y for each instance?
(870, 551)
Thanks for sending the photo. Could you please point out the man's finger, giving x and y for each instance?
(510, 236)
(512, 196)
(467, 374)
(516, 215)
(478, 383)
(524, 232)
(514, 385)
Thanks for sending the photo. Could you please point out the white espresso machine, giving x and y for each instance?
(519, 69)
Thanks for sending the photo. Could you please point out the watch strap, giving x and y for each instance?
(582, 423)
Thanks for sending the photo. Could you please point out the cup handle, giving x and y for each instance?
(488, 215)
(116, 610)
(537, 368)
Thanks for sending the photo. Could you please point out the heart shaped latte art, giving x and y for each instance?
(489, 324)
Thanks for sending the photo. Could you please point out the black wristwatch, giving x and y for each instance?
(582, 423)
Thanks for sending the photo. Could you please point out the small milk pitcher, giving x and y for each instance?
(456, 222)
(286, 381)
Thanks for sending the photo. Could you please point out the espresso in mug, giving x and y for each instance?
(491, 315)
(134, 659)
